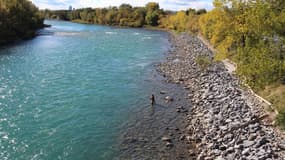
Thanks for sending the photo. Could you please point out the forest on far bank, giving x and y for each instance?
(124, 15)
(19, 19)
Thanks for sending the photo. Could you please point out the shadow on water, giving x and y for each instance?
(6, 47)
(155, 107)
(4, 50)
(43, 32)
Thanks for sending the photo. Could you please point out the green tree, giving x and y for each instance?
(152, 15)
(139, 17)
(111, 16)
(152, 7)
(152, 18)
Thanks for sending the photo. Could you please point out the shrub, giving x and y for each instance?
(203, 62)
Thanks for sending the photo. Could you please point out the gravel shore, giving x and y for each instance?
(225, 121)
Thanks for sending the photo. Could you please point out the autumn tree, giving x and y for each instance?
(19, 19)
(248, 32)
(152, 15)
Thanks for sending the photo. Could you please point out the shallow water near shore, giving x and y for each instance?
(68, 93)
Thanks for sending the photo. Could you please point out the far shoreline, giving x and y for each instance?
(146, 27)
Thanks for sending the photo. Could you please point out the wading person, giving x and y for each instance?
(152, 100)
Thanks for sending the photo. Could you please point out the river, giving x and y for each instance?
(67, 93)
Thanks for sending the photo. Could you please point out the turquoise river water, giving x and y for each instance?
(66, 94)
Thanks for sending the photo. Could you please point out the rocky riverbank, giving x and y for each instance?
(225, 121)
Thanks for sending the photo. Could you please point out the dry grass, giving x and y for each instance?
(276, 95)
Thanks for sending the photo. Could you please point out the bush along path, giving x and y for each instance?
(226, 120)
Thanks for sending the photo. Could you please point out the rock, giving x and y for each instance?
(168, 139)
(181, 109)
(228, 121)
(219, 158)
(216, 111)
(216, 152)
(131, 140)
(190, 95)
(229, 136)
(245, 152)
(231, 156)
(230, 150)
(252, 137)
(247, 143)
(201, 156)
(187, 87)
(141, 139)
(210, 145)
(162, 92)
(261, 142)
(240, 147)
(252, 158)
(168, 98)
(281, 146)
(169, 144)
(223, 148)
(198, 140)
(192, 154)
(181, 138)
(223, 128)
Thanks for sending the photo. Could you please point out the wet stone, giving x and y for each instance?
(166, 139)
(162, 92)
(169, 144)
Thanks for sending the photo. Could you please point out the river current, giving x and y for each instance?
(67, 93)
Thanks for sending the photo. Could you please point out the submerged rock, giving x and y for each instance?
(162, 92)
(168, 139)
(168, 98)
(169, 144)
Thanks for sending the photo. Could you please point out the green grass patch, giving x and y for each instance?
(203, 61)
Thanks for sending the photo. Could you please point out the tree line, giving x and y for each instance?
(251, 33)
(124, 15)
(19, 19)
